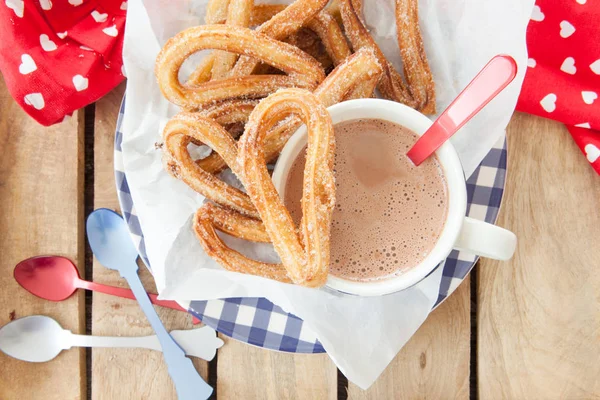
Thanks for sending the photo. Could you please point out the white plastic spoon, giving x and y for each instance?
(39, 339)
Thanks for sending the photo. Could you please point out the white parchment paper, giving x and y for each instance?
(361, 335)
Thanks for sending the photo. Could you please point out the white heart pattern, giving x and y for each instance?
(568, 66)
(537, 14)
(75, 2)
(584, 125)
(589, 97)
(581, 1)
(18, 6)
(111, 31)
(99, 17)
(86, 48)
(62, 35)
(46, 4)
(124, 5)
(595, 67)
(592, 152)
(27, 64)
(549, 102)
(566, 29)
(36, 100)
(47, 44)
(531, 63)
(80, 83)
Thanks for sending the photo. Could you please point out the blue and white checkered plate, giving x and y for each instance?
(259, 322)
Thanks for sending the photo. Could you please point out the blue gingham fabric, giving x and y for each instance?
(259, 322)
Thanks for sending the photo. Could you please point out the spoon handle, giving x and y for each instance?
(200, 342)
(127, 294)
(490, 81)
(188, 383)
(141, 342)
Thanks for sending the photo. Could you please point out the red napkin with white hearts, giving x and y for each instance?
(563, 74)
(60, 55)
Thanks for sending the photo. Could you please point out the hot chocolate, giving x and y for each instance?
(389, 213)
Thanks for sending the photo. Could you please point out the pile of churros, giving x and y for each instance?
(274, 68)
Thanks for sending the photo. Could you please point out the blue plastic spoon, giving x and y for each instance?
(110, 241)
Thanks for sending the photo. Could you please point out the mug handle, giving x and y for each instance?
(486, 240)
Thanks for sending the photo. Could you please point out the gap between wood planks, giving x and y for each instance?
(88, 207)
(89, 124)
(473, 392)
(342, 390)
(212, 374)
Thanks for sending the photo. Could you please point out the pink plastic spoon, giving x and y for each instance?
(56, 278)
(490, 81)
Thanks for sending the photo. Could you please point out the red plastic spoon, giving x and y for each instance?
(56, 278)
(490, 81)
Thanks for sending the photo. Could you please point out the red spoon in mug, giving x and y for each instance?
(56, 278)
(490, 81)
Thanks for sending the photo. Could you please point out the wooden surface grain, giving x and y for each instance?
(434, 364)
(248, 372)
(41, 210)
(539, 314)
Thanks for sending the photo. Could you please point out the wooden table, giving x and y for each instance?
(528, 328)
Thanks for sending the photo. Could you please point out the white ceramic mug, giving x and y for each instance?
(459, 232)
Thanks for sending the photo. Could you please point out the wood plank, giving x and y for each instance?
(539, 314)
(124, 373)
(434, 364)
(248, 372)
(41, 192)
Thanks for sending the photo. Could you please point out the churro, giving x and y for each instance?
(280, 26)
(186, 128)
(391, 85)
(303, 71)
(231, 260)
(305, 256)
(416, 68)
(238, 14)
